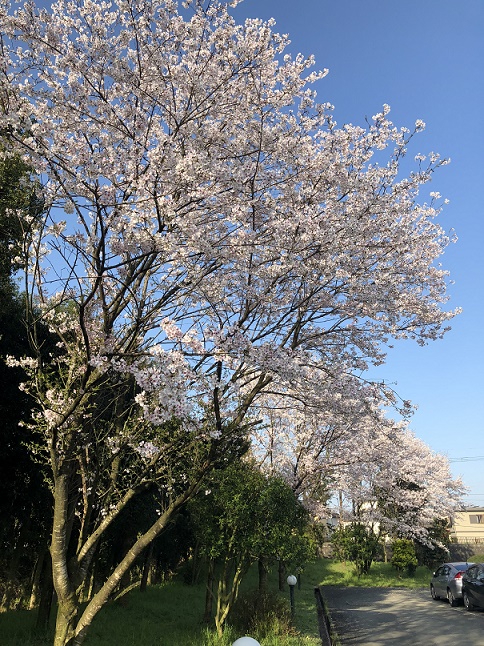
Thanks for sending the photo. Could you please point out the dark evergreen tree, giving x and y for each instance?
(437, 552)
(25, 502)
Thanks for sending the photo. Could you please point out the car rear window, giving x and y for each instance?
(462, 567)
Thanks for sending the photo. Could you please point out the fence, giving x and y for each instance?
(324, 623)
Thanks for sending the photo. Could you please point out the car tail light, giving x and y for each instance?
(458, 575)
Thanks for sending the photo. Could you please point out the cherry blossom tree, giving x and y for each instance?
(397, 484)
(388, 478)
(308, 446)
(211, 236)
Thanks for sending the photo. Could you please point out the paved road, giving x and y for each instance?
(400, 617)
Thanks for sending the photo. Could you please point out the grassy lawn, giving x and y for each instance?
(169, 614)
(381, 575)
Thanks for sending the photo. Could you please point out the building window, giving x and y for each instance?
(476, 519)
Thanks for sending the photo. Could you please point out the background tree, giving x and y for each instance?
(308, 447)
(436, 550)
(347, 449)
(210, 233)
(396, 484)
(25, 503)
(358, 544)
(403, 556)
(242, 518)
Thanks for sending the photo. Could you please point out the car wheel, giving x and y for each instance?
(432, 592)
(467, 601)
(452, 600)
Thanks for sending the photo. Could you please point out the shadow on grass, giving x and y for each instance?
(164, 615)
(170, 614)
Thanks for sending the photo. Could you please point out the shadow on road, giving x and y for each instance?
(403, 617)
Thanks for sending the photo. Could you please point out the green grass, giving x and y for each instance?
(169, 614)
(381, 575)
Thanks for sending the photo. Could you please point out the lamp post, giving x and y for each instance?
(245, 641)
(291, 581)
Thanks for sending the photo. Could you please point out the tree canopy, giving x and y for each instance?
(211, 238)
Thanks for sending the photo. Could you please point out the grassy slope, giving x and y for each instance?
(169, 615)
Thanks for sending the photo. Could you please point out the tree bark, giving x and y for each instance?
(262, 569)
(146, 569)
(227, 592)
(46, 595)
(207, 615)
(281, 572)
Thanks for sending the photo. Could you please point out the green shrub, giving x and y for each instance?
(359, 544)
(404, 557)
(261, 613)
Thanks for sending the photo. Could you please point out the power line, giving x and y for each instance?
(468, 458)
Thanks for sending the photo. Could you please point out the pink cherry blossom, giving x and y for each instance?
(211, 235)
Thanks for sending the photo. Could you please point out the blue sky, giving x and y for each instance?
(425, 59)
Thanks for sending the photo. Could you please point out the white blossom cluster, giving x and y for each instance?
(211, 232)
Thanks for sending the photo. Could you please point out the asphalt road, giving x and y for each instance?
(400, 617)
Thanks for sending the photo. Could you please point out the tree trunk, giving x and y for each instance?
(281, 573)
(262, 569)
(207, 615)
(228, 592)
(89, 578)
(67, 599)
(112, 582)
(146, 569)
(67, 613)
(126, 579)
(195, 564)
(46, 595)
(14, 594)
(69, 576)
(35, 588)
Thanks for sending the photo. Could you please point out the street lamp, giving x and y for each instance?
(245, 641)
(291, 581)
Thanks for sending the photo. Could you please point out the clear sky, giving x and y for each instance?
(425, 58)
